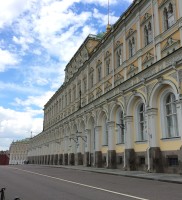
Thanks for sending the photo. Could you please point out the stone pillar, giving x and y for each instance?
(71, 159)
(79, 156)
(179, 115)
(156, 18)
(60, 159)
(129, 132)
(180, 8)
(152, 127)
(98, 153)
(111, 146)
(55, 159)
(65, 157)
(130, 158)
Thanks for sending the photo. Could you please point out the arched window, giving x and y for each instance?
(146, 35)
(141, 122)
(168, 15)
(133, 46)
(150, 32)
(99, 73)
(120, 127)
(171, 116)
(91, 80)
(165, 15)
(107, 67)
(105, 132)
(119, 57)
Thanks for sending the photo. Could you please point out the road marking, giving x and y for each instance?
(84, 185)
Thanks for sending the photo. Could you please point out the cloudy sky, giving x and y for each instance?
(37, 39)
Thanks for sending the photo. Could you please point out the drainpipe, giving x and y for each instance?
(148, 158)
(124, 155)
(107, 160)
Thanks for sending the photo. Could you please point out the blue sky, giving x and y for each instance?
(37, 39)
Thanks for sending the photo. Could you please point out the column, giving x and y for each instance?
(130, 161)
(179, 8)
(111, 145)
(98, 153)
(179, 115)
(79, 158)
(153, 151)
(156, 18)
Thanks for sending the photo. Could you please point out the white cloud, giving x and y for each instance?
(17, 125)
(7, 60)
(10, 10)
(38, 101)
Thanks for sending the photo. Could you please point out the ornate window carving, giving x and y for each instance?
(148, 60)
(170, 46)
(132, 71)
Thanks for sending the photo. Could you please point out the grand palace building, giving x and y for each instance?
(120, 105)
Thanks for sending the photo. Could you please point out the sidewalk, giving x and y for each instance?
(171, 178)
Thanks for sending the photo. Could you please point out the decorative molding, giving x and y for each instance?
(130, 33)
(169, 43)
(146, 17)
(174, 76)
(148, 57)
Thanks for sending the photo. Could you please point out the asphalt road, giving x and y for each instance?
(49, 183)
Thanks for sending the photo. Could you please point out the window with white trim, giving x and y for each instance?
(148, 33)
(171, 116)
(141, 122)
(131, 47)
(168, 16)
(108, 66)
(119, 59)
(99, 73)
(120, 127)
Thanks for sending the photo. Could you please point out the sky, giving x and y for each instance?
(37, 40)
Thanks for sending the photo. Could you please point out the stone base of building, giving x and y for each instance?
(130, 157)
(112, 159)
(79, 159)
(87, 159)
(65, 162)
(71, 159)
(98, 159)
(55, 159)
(60, 159)
(180, 161)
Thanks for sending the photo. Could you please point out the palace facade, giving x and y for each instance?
(120, 105)
(19, 152)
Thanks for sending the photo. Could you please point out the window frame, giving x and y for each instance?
(165, 134)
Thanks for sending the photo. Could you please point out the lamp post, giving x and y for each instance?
(123, 127)
(2, 193)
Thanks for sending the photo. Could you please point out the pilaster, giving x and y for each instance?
(129, 131)
(152, 127)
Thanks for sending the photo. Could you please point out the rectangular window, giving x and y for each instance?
(142, 160)
(173, 161)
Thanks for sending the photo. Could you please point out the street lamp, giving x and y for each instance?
(84, 138)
